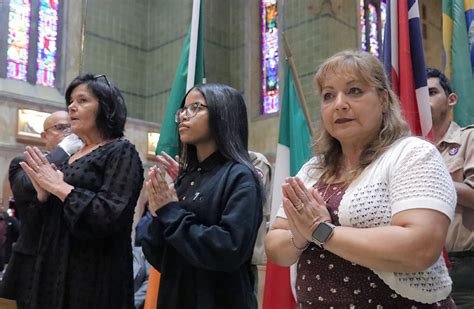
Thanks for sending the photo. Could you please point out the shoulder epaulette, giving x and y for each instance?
(471, 126)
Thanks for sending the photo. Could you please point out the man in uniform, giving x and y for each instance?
(456, 147)
(264, 171)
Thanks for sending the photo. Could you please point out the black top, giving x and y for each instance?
(83, 255)
(203, 244)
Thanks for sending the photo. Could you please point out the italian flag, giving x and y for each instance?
(293, 150)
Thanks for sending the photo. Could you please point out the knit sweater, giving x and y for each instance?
(410, 174)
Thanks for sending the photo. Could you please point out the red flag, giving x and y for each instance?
(404, 60)
(277, 293)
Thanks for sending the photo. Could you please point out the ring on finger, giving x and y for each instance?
(299, 206)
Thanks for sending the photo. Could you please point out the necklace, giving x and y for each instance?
(334, 189)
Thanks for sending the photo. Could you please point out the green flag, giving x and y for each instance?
(294, 140)
(457, 16)
(193, 51)
(293, 150)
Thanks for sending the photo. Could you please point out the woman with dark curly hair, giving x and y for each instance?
(83, 212)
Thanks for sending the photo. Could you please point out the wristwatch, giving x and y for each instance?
(322, 233)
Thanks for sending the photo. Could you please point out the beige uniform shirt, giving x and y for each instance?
(264, 170)
(457, 150)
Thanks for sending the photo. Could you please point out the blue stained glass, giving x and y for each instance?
(362, 25)
(47, 42)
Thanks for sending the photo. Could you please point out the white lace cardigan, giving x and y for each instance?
(410, 174)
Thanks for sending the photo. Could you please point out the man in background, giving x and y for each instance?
(56, 128)
(60, 145)
(456, 147)
(264, 170)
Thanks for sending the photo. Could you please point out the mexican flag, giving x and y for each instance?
(293, 150)
(189, 73)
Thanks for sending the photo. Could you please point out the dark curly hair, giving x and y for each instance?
(112, 112)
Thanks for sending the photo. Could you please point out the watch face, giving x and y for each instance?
(322, 232)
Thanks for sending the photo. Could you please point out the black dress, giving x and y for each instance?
(83, 255)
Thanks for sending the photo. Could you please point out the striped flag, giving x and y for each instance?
(404, 59)
(458, 29)
(293, 150)
(405, 65)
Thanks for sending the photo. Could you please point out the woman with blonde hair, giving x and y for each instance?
(366, 218)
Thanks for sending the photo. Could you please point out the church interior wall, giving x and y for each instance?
(137, 44)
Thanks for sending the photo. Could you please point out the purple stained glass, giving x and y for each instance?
(18, 39)
(375, 26)
(47, 42)
(383, 16)
(270, 82)
(373, 21)
(362, 25)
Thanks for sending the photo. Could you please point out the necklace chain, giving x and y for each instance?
(324, 195)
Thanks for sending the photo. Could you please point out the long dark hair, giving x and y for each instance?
(228, 125)
(112, 112)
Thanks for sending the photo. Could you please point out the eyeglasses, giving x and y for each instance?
(104, 77)
(190, 111)
(60, 127)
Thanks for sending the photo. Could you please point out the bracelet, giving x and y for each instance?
(298, 248)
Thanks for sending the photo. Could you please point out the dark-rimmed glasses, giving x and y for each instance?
(104, 77)
(60, 127)
(190, 111)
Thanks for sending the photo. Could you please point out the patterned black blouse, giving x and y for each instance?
(84, 255)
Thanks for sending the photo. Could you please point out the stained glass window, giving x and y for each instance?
(372, 23)
(47, 42)
(18, 39)
(32, 22)
(270, 87)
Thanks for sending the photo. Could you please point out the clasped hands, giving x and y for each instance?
(304, 208)
(158, 191)
(46, 178)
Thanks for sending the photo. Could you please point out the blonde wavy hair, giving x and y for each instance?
(368, 69)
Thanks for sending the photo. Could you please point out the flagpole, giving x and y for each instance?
(193, 44)
(299, 90)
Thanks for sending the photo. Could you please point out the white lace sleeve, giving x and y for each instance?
(420, 179)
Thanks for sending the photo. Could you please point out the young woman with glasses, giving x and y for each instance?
(204, 227)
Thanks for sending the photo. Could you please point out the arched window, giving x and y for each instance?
(31, 41)
(372, 23)
(270, 82)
